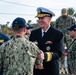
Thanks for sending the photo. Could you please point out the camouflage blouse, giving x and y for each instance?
(72, 58)
(18, 56)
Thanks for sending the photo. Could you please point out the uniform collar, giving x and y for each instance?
(45, 30)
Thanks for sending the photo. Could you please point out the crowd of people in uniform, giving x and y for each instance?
(38, 51)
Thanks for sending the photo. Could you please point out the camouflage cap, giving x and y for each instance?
(64, 11)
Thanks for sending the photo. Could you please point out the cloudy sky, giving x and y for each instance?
(10, 9)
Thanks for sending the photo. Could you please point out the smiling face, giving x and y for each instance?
(44, 22)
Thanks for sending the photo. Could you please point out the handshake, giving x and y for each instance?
(40, 61)
(47, 56)
(41, 55)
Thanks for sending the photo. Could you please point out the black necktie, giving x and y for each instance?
(44, 33)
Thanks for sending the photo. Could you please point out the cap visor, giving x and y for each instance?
(30, 27)
(42, 15)
(69, 29)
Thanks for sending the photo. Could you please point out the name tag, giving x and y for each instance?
(1, 41)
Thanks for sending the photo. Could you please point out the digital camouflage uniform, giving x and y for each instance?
(62, 24)
(27, 37)
(72, 58)
(18, 56)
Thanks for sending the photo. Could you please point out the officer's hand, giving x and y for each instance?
(39, 66)
(41, 56)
